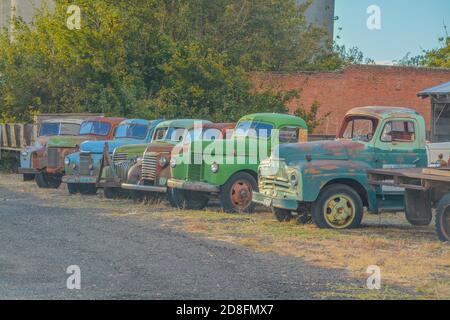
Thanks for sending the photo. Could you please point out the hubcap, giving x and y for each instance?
(339, 211)
(241, 194)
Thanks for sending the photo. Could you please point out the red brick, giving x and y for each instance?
(356, 86)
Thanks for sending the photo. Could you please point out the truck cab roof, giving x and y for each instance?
(384, 112)
(276, 119)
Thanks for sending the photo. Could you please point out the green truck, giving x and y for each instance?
(227, 169)
(327, 180)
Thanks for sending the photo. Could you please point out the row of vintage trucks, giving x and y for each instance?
(263, 159)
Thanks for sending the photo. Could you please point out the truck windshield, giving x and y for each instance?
(95, 128)
(69, 129)
(359, 129)
(49, 129)
(170, 134)
(253, 129)
(132, 131)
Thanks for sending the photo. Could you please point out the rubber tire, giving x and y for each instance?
(73, 188)
(418, 210)
(28, 177)
(282, 215)
(188, 200)
(88, 189)
(41, 181)
(317, 207)
(225, 199)
(111, 193)
(442, 227)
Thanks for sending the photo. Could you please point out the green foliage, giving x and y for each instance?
(311, 116)
(440, 57)
(157, 58)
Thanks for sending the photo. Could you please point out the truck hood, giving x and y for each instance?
(69, 142)
(319, 150)
(161, 146)
(98, 146)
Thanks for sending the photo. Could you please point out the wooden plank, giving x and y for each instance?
(437, 172)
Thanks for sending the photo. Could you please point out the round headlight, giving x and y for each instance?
(24, 153)
(163, 162)
(215, 168)
(173, 163)
(294, 180)
(66, 161)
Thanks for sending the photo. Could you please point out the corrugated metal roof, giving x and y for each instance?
(438, 90)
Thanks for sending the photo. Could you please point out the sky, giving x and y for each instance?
(406, 26)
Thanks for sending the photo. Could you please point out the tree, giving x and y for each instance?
(311, 116)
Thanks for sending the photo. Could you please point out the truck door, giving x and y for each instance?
(398, 145)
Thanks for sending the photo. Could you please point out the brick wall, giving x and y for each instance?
(356, 86)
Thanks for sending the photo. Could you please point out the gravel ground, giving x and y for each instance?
(124, 259)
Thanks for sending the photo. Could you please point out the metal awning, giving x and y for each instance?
(440, 90)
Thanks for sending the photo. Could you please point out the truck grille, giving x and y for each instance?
(272, 183)
(194, 172)
(120, 157)
(121, 168)
(149, 166)
(85, 162)
(53, 158)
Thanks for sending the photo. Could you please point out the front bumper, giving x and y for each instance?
(79, 179)
(193, 186)
(28, 171)
(139, 187)
(267, 201)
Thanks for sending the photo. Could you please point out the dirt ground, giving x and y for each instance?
(413, 263)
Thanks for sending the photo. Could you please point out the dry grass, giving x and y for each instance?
(408, 256)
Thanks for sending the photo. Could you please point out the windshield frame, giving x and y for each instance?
(252, 125)
(375, 124)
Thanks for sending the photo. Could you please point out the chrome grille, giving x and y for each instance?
(85, 162)
(120, 157)
(121, 169)
(273, 182)
(149, 164)
(53, 158)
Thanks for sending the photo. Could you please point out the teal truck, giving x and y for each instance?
(327, 180)
(227, 169)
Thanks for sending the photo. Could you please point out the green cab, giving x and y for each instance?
(227, 169)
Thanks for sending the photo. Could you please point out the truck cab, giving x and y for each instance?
(32, 157)
(82, 168)
(327, 180)
(227, 169)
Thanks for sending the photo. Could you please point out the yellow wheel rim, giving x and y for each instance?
(339, 211)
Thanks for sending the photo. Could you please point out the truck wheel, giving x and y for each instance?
(41, 180)
(188, 200)
(73, 188)
(443, 219)
(88, 189)
(282, 215)
(418, 208)
(338, 207)
(237, 194)
(28, 177)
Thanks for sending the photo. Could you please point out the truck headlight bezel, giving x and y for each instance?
(215, 167)
(293, 179)
(173, 163)
(66, 161)
(163, 162)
